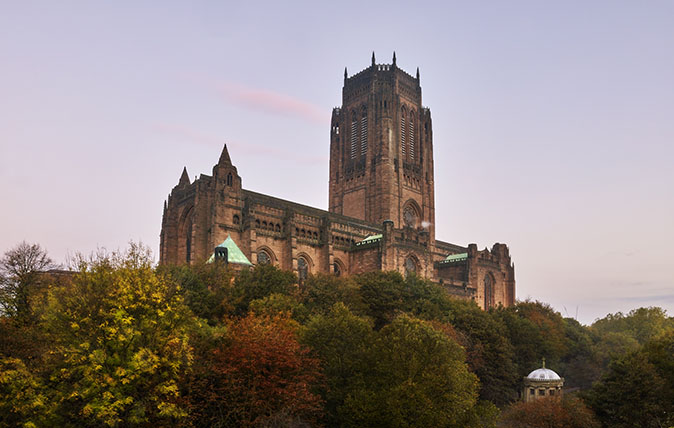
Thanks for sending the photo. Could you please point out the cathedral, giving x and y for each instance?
(381, 196)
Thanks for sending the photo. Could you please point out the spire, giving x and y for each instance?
(373, 58)
(345, 74)
(224, 157)
(394, 57)
(184, 178)
(543, 362)
(417, 73)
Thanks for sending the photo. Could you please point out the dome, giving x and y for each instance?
(543, 374)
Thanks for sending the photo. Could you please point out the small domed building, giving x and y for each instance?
(541, 383)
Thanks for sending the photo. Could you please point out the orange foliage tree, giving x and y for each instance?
(549, 412)
(259, 375)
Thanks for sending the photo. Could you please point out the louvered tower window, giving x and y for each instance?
(402, 132)
(412, 142)
(363, 134)
(354, 135)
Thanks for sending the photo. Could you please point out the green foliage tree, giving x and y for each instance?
(579, 363)
(419, 379)
(320, 292)
(343, 342)
(642, 324)
(260, 282)
(536, 331)
(120, 344)
(278, 304)
(489, 352)
(638, 388)
(206, 288)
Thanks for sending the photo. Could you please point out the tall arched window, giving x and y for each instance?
(402, 131)
(229, 179)
(410, 266)
(354, 135)
(302, 268)
(412, 144)
(363, 133)
(488, 291)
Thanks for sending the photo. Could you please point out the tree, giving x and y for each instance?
(549, 412)
(261, 375)
(419, 379)
(120, 344)
(536, 331)
(488, 351)
(260, 282)
(382, 293)
(343, 342)
(206, 288)
(638, 388)
(20, 270)
(22, 402)
(321, 291)
(642, 324)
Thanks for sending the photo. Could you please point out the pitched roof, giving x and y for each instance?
(234, 253)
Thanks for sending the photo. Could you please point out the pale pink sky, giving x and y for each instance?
(553, 123)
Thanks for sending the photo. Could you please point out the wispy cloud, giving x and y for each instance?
(272, 102)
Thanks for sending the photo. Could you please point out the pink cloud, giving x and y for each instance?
(273, 102)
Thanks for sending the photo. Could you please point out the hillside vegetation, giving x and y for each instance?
(124, 343)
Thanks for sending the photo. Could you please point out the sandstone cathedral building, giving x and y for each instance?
(381, 195)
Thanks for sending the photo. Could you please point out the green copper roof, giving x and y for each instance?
(456, 257)
(234, 254)
(371, 238)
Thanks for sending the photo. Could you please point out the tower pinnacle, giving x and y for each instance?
(184, 178)
(373, 58)
(394, 57)
(224, 157)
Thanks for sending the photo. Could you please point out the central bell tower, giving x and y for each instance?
(381, 150)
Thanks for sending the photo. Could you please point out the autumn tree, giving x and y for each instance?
(120, 344)
(260, 375)
(549, 412)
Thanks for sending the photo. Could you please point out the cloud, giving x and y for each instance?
(273, 102)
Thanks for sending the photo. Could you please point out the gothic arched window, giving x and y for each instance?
(229, 179)
(302, 268)
(488, 291)
(410, 266)
(363, 133)
(412, 143)
(354, 135)
(403, 113)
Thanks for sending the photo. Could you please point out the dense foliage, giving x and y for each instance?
(120, 342)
